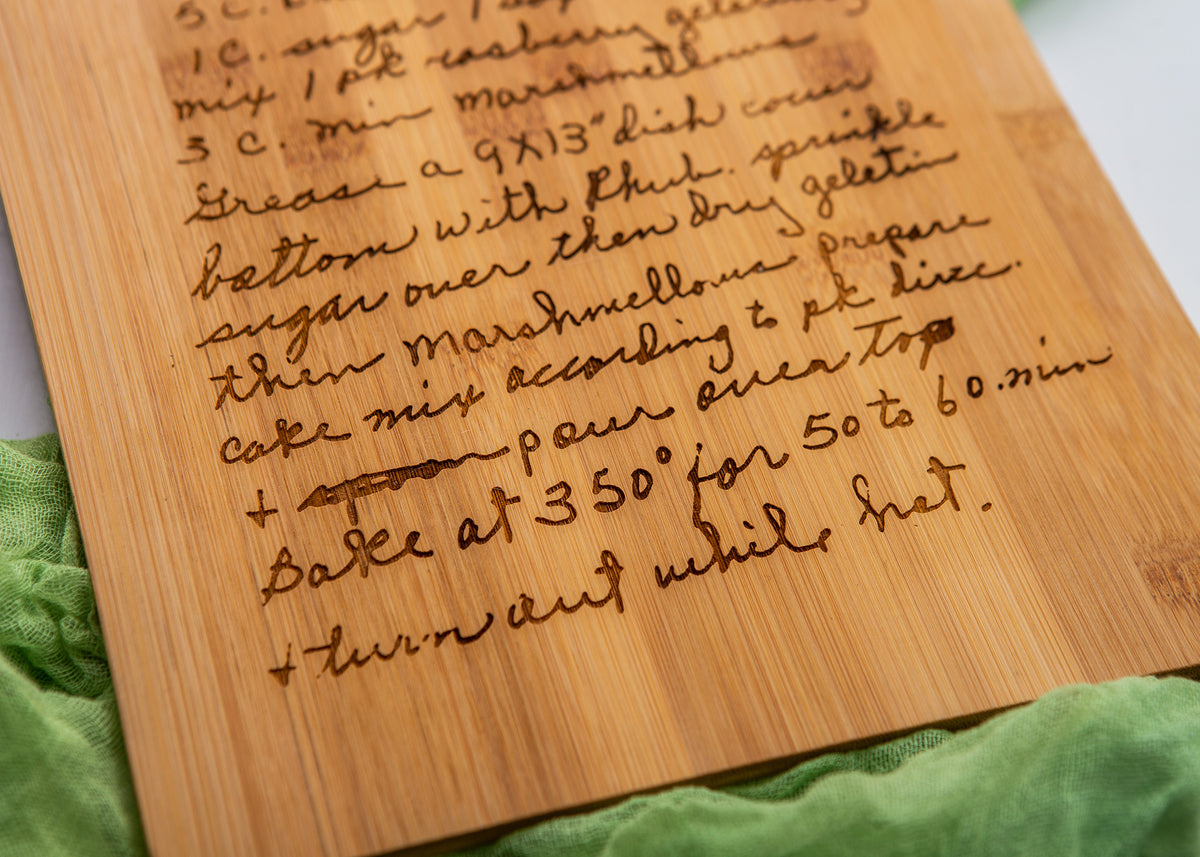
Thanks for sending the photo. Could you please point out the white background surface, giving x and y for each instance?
(1126, 68)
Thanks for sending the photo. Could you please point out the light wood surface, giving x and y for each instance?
(337, 631)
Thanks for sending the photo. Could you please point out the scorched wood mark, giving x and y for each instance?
(366, 484)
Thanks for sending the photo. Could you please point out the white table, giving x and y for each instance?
(1126, 68)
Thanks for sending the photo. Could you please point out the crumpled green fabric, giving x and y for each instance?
(1105, 771)
(64, 780)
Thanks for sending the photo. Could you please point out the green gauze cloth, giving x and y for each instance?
(64, 779)
(1088, 771)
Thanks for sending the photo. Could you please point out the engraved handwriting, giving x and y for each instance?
(366, 38)
(630, 185)
(287, 576)
(327, 130)
(932, 334)
(580, 78)
(609, 212)
(878, 124)
(268, 384)
(301, 321)
(335, 661)
(797, 97)
(616, 240)
(708, 394)
(286, 440)
(389, 419)
(469, 279)
(722, 558)
(896, 163)
(451, 58)
(648, 350)
(187, 108)
(288, 264)
(920, 505)
(393, 479)
(220, 206)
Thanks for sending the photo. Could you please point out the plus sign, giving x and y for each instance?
(259, 515)
(283, 673)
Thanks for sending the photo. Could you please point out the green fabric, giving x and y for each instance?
(1088, 771)
(1104, 771)
(64, 780)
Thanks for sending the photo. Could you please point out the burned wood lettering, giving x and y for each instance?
(611, 493)
(409, 322)
(335, 661)
(300, 323)
(723, 558)
(287, 440)
(392, 479)
(289, 261)
(218, 205)
(269, 384)
(943, 473)
(287, 576)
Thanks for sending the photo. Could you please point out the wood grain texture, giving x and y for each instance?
(892, 416)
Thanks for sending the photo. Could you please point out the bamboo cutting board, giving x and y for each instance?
(489, 409)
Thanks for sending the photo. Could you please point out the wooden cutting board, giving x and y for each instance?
(489, 409)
